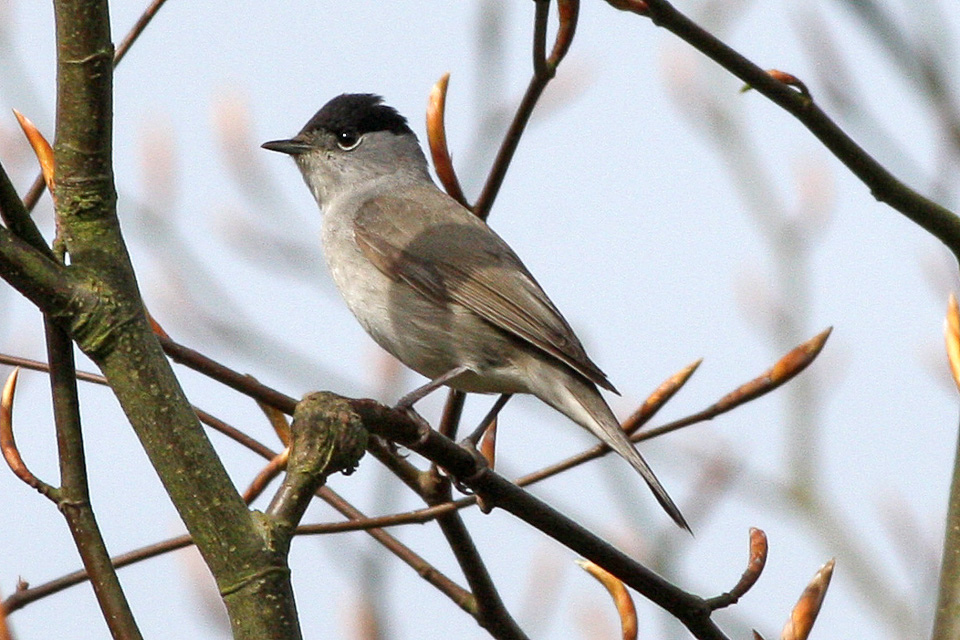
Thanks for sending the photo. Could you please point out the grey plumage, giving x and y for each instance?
(432, 283)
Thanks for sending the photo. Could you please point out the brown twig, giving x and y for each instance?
(136, 30)
(415, 434)
(24, 596)
(491, 612)
(419, 516)
(272, 469)
(659, 397)
(884, 186)
(278, 420)
(429, 573)
(4, 627)
(245, 384)
(74, 492)
(9, 445)
(626, 610)
(805, 612)
(72, 498)
(544, 70)
(758, 558)
(249, 386)
(424, 569)
(791, 364)
(437, 138)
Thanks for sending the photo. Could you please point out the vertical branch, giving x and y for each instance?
(114, 332)
(491, 614)
(36, 189)
(74, 497)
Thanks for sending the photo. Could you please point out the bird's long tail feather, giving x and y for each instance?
(584, 405)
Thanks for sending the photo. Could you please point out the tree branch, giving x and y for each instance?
(74, 498)
(496, 491)
(934, 218)
(254, 582)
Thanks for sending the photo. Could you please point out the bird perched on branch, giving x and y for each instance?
(433, 284)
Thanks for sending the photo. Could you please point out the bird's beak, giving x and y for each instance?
(291, 147)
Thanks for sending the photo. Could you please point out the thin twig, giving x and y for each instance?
(423, 568)
(885, 187)
(74, 490)
(22, 597)
(8, 445)
(755, 564)
(437, 139)
(512, 138)
(135, 31)
(492, 613)
(777, 375)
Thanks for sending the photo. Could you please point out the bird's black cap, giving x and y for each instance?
(357, 113)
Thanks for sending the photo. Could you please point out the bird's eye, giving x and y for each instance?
(348, 140)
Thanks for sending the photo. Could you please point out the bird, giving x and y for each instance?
(433, 284)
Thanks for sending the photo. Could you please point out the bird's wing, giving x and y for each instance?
(447, 254)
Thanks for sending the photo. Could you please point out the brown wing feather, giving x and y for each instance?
(457, 258)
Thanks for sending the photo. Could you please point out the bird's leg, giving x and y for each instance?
(407, 401)
(470, 444)
(488, 419)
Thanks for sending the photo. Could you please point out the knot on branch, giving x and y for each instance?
(96, 317)
(327, 436)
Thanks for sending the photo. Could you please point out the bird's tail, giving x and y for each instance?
(583, 404)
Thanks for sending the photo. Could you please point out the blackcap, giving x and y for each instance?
(432, 283)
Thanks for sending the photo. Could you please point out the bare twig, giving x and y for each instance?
(777, 375)
(626, 610)
(423, 568)
(9, 445)
(758, 558)
(659, 397)
(272, 469)
(74, 491)
(437, 137)
(24, 596)
(783, 370)
(885, 187)
(136, 30)
(544, 69)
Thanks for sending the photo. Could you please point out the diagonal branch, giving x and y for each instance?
(496, 491)
(544, 69)
(885, 187)
(73, 496)
(431, 574)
